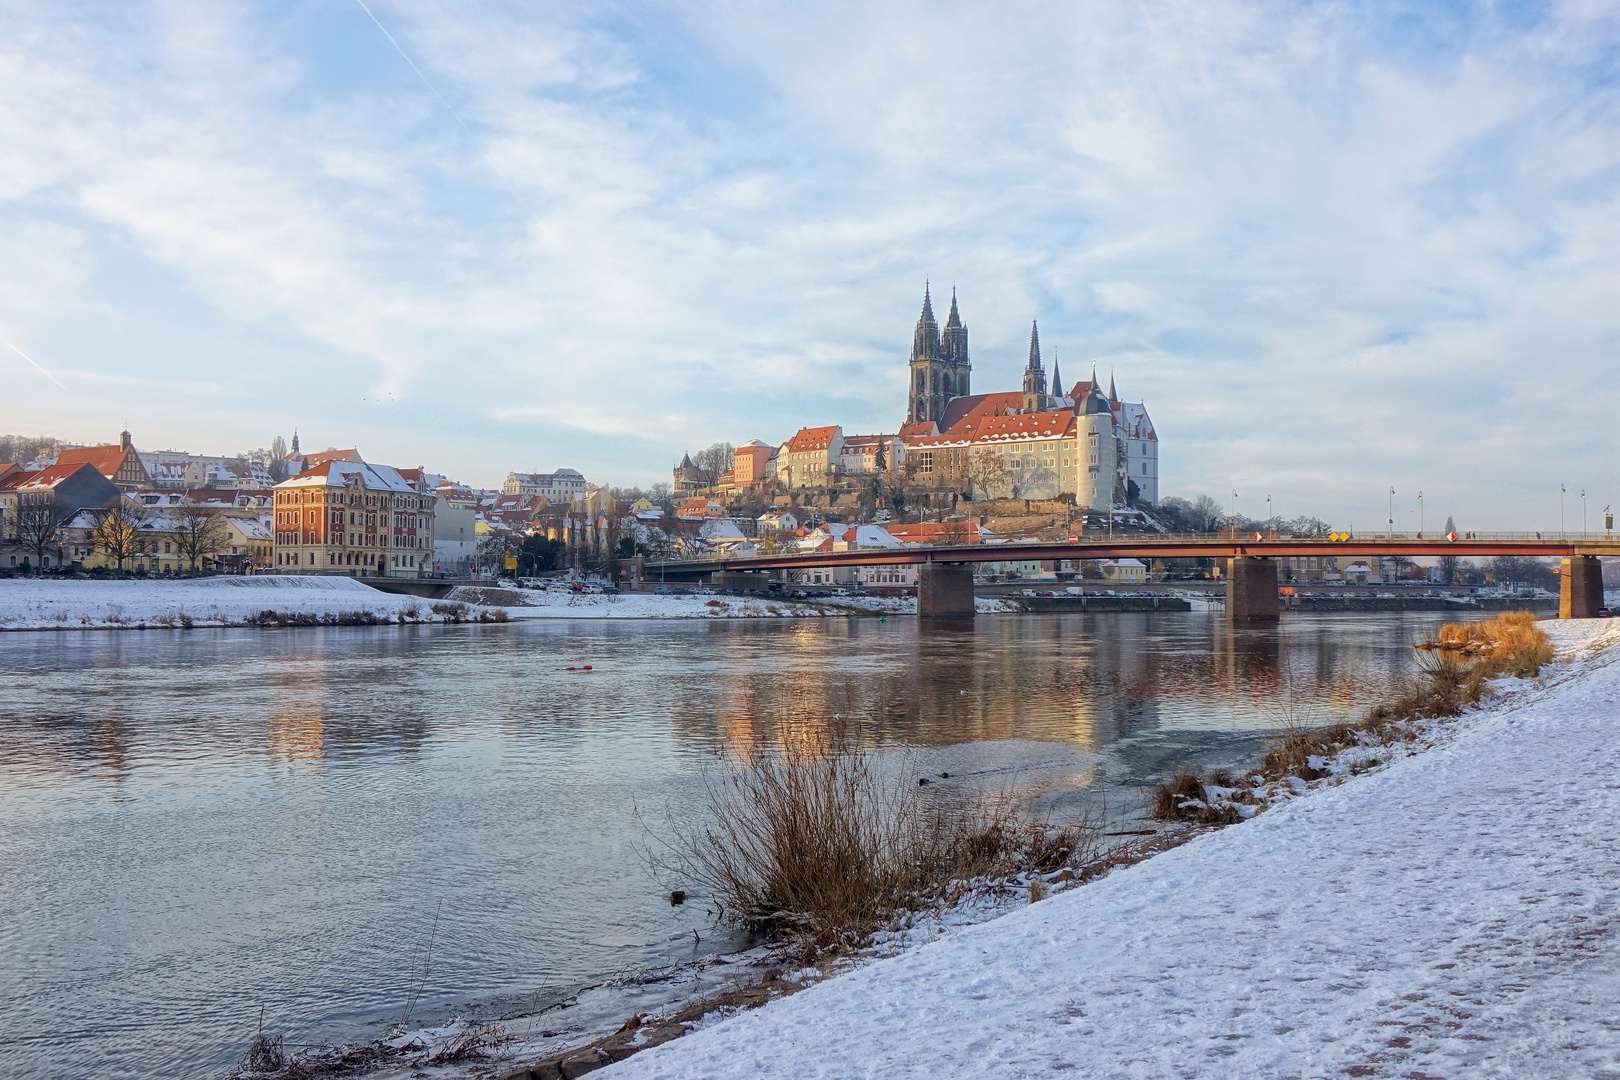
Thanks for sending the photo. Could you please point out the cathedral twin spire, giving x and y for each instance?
(940, 366)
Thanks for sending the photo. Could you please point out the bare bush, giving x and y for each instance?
(812, 841)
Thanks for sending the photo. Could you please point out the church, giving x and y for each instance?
(1037, 442)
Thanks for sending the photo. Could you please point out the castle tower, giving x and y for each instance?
(939, 366)
(1099, 463)
(1035, 399)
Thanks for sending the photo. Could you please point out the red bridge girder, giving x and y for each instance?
(1138, 548)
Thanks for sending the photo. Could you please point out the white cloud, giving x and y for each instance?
(1327, 250)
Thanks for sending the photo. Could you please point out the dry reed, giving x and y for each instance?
(814, 843)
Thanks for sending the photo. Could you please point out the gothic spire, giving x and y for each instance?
(1034, 347)
(925, 340)
(953, 320)
(1111, 395)
(1057, 379)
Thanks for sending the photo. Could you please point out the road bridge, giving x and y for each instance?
(945, 571)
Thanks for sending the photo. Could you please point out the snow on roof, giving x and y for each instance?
(336, 473)
(50, 476)
(1022, 426)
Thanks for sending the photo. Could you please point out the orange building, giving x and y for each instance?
(344, 517)
(751, 462)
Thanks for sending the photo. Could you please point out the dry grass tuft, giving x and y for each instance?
(1171, 798)
(1184, 797)
(1510, 644)
(812, 842)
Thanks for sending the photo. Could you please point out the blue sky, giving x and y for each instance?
(1334, 247)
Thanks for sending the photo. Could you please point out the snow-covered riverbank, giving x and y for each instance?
(49, 604)
(1452, 913)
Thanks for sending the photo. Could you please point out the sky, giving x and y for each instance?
(1335, 247)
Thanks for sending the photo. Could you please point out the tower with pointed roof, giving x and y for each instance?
(1035, 399)
(940, 367)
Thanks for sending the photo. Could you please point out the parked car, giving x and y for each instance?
(661, 591)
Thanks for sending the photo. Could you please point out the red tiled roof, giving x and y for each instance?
(973, 407)
(105, 459)
(47, 476)
(937, 532)
(1046, 425)
(918, 428)
(312, 460)
(812, 438)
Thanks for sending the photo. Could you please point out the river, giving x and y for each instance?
(199, 825)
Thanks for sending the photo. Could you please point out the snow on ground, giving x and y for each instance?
(1450, 914)
(50, 604)
(54, 604)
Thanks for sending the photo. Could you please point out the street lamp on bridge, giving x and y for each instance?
(1560, 511)
(1391, 531)
(1420, 515)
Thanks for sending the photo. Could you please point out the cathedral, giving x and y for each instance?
(1035, 442)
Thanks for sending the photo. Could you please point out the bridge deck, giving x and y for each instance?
(1157, 547)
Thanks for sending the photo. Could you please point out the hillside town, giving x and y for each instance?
(1047, 461)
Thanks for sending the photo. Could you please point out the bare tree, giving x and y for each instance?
(118, 531)
(23, 448)
(199, 532)
(278, 459)
(987, 471)
(713, 461)
(39, 526)
(494, 547)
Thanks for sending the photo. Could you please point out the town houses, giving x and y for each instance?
(1044, 458)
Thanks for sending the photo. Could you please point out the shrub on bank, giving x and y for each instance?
(812, 842)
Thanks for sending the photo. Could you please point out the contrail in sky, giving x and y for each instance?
(414, 68)
(31, 360)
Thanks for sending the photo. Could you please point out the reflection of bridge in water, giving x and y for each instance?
(945, 571)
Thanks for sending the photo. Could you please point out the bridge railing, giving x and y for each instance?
(1439, 540)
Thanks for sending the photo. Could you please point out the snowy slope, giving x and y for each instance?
(1454, 914)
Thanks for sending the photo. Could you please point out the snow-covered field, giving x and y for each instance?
(1453, 913)
(46, 604)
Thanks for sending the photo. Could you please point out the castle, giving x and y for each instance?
(1028, 443)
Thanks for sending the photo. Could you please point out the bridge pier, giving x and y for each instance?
(1580, 587)
(1251, 589)
(739, 580)
(945, 589)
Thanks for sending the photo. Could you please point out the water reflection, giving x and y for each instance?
(219, 820)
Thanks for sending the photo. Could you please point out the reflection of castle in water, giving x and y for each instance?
(1083, 680)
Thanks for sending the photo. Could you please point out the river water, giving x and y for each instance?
(197, 825)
